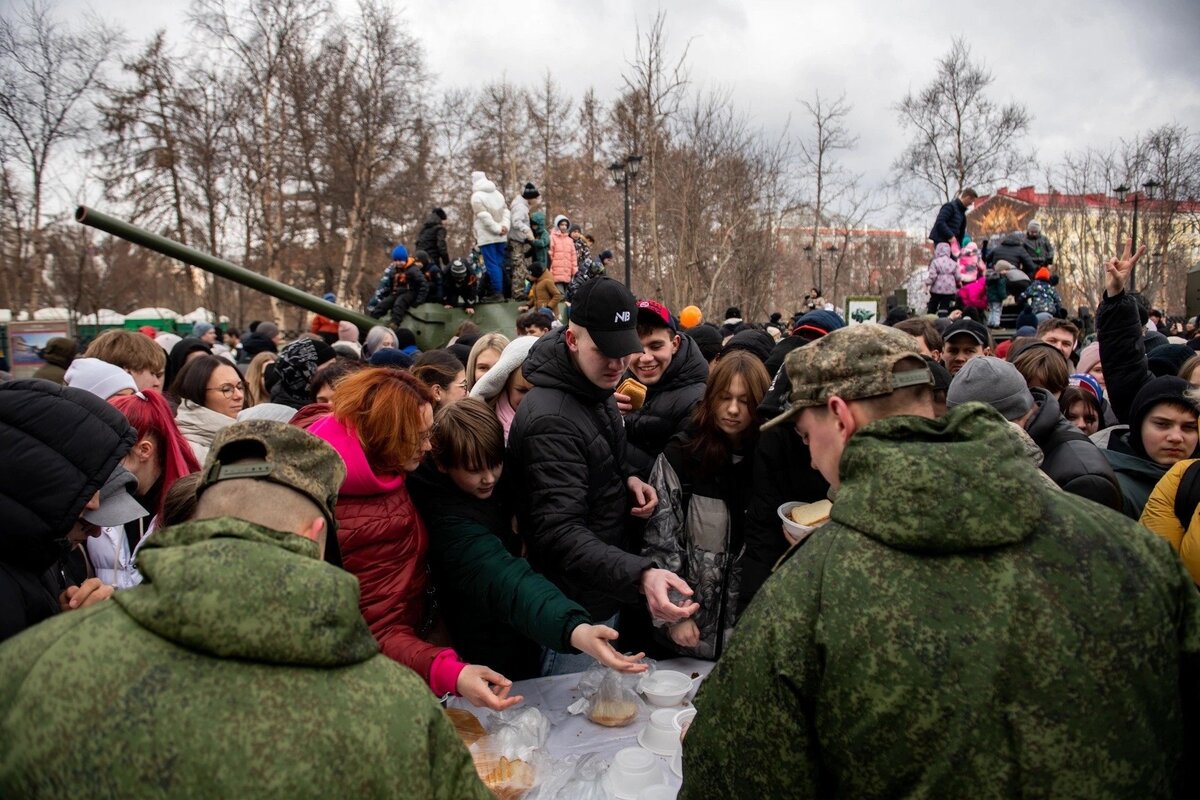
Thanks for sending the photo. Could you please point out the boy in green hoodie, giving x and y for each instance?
(496, 606)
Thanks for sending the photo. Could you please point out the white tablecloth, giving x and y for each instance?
(575, 734)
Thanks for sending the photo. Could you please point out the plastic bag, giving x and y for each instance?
(574, 778)
(509, 760)
(609, 697)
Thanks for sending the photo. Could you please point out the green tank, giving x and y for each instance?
(432, 324)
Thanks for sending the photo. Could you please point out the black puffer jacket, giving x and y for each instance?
(782, 472)
(1070, 458)
(951, 222)
(565, 475)
(1013, 251)
(1122, 352)
(432, 239)
(57, 447)
(668, 407)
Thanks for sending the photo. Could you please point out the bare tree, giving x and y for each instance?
(960, 136)
(654, 89)
(819, 151)
(549, 114)
(47, 72)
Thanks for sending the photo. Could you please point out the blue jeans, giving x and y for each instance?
(556, 663)
(993, 318)
(493, 264)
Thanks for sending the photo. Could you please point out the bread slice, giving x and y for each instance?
(613, 713)
(812, 514)
(466, 725)
(635, 391)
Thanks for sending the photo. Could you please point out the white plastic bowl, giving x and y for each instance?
(659, 735)
(666, 688)
(633, 769)
(797, 530)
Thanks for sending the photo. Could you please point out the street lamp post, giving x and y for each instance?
(1149, 187)
(808, 248)
(622, 171)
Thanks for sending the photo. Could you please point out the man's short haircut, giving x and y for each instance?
(180, 503)
(648, 325)
(968, 192)
(923, 329)
(1055, 324)
(264, 503)
(331, 372)
(531, 318)
(1043, 366)
(468, 435)
(129, 350)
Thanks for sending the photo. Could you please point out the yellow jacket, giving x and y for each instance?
(1159, 516)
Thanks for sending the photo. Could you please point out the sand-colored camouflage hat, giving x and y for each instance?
(852, 363)
(265, 450)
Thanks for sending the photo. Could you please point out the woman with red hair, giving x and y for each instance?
(160, 457)
(381, 424)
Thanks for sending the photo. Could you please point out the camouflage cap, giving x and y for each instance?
(265, 450)
(852, 363)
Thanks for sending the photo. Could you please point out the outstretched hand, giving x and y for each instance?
(596, 641)
(655, 585)
(485, 687)
(1117, 269)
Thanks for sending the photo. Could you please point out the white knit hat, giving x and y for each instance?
(511, 358)
(98, 377)
(275, 412)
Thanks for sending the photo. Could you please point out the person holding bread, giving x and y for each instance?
(664, 385)
(906, 649)
(567, 473)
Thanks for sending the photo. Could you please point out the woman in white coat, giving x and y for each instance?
(492, 220)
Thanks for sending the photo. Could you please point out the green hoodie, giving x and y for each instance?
(959, 629)
(241, 667)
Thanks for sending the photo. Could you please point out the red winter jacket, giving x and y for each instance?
(383, 543)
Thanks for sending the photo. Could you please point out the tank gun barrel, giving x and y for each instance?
(217, 266)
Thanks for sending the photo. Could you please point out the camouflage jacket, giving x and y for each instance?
(1038, 646)
(241, 667)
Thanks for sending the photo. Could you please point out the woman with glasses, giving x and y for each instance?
(210, 393)
(159, 458)
(444, 374)
(381, 425)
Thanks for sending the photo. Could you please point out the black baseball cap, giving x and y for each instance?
(971, 328)
(608, 312)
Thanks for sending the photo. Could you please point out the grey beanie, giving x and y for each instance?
(997, 383)
(201, 328)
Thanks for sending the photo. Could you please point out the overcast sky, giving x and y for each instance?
(1089, 72)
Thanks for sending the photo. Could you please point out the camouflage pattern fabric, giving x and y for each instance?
(241, 667)
(956, 631)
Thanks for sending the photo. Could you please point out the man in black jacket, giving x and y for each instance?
(60, 446)
(951, 222)
(567, 473)
(432, 238)
(674, 373)
(1012, 250)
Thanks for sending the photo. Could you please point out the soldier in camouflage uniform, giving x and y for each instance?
(241, 667)
(1033, 644)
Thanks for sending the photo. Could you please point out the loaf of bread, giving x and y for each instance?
(635, 391)
(812, 514)
(466, 725)
(507, 779)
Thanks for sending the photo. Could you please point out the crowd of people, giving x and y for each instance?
(255, 566)
(516, 256)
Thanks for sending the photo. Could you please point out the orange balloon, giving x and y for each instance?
(690, 317)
